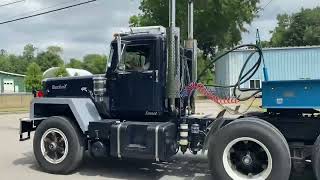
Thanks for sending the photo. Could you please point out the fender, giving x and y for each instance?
(213, 128)
(83, 109)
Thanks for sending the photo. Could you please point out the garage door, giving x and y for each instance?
(8, 86)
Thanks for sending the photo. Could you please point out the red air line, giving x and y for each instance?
(204, 91)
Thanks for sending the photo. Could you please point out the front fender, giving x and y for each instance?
(83, 109)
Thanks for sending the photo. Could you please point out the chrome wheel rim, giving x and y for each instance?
(247, 158)
(54, 146)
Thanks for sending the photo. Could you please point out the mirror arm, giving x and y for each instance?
(119, 48)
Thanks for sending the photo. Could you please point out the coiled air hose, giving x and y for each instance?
(244, 75)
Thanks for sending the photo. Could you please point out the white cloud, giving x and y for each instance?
(80, 30)
(89, 28)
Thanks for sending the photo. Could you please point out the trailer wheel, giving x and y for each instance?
(58, 145)
(316, 158)
(249, 149)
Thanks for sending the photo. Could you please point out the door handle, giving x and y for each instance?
(147, 72)
(153, 73)
(123, 73)
(157, 75)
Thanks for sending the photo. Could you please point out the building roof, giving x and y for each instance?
(12, 74)
(283, 48)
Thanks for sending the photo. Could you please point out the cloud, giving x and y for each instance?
(80, 30)
(266, 21)
(89, 28)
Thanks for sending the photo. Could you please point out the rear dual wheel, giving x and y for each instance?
(249, 148)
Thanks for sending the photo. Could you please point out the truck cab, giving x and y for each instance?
(135, 85)
(136, 81)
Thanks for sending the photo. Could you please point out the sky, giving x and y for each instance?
(89, 28)
(267, 19)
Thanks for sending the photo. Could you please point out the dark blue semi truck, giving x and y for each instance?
(135, 111)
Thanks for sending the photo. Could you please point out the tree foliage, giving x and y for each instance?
(33, 64)
(75, 63)
(34, 77)
(49, 58)
(61, 72)
(299, 29)
(208, 77)
(29, 53)
(95, 63)
(217, 22)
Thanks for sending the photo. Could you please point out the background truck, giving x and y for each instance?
(136, 111)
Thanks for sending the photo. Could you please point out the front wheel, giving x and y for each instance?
(248, 149)
(58, 145)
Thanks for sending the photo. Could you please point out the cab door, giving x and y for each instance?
(134, 86)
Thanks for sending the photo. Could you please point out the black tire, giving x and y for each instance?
(257, 130)
(316, 158)
(271, 126)
(76, 145)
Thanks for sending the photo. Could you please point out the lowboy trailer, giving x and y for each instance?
(135, 111)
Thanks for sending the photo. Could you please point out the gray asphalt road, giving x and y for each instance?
(17, 162)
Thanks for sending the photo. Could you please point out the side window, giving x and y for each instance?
(255, 84)
(137, 58)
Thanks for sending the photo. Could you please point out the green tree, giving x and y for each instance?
(12, 63)
(55, 50)
(299, 29)
(49, 58)
(95, 63)
(18, 64)
(208, 77)
(34, 77)
(75, 63)
(3, 52)
(61, 72)
(5, 64)
(29, 53)
(217, 22)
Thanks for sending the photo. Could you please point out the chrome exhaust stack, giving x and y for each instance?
(173, 63)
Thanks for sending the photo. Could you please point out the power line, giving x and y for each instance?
(267, 4)
(264, 7)
(38, 10)
(47, 12)
(10, 3)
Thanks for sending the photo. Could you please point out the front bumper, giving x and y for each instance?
(27, 125)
